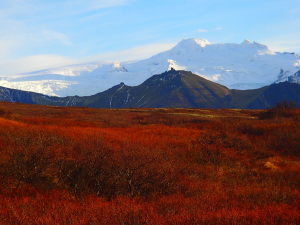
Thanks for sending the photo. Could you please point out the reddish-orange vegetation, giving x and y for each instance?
(148, 166)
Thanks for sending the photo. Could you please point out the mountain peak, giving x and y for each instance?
(193, 42)
(118, 67)
(247, 42)
(201, 42)
(254, 44)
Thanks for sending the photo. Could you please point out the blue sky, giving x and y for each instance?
(36, 34)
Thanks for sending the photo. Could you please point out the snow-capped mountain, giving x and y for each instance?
(295, 78)
(171, 89)
(241, 66)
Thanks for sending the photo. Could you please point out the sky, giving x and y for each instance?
(40, 34)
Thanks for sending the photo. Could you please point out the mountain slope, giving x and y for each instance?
(173, 89)
(13, 95)
(294, 78)
(170, 89)
(271, 95)
(241, 66)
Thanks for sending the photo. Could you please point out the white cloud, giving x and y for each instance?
(135, 53)
(284, 44)
(295, 11)
(51, 35)
(65, 7)
(13, 45)
(219, 28)
(24, 39)
(98, 4)
(202, 30)
(41, 62)
(209, 30)
(32, 63)
(7, 46)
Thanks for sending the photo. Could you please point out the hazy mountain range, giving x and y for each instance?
(247, 65)
(175, 89)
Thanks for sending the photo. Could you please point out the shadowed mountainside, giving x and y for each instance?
(172, 89)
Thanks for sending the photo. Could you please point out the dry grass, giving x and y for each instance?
(147, 166)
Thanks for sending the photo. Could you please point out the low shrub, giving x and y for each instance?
(281, 110)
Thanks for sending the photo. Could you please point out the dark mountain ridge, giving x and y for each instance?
(172, 89)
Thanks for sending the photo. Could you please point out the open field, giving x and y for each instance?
(148, 166)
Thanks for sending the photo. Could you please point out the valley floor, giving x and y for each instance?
(84, 166)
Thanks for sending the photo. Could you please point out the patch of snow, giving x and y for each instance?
(202, 42)
(172, 64)
(73, 70)
(119, 67)
(297, 64)
(128, 96)
(47, 87)
(140, 99)
(111, 98)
